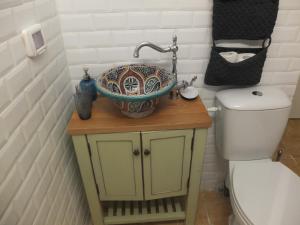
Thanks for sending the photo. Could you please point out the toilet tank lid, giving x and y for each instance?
(254, 98)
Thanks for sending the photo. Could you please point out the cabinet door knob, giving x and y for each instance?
(136, 152)
(147, 152)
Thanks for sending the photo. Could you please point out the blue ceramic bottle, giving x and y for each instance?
(88, 84)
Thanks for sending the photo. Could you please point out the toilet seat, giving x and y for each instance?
(238, 212)
(265, 193)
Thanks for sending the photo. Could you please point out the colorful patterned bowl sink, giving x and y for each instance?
(135, 88)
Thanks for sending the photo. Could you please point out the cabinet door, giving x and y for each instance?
(117, 164)
(166, 157)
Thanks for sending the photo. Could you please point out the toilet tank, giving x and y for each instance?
(250, 122)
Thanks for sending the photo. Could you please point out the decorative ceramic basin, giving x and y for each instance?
(135, 88)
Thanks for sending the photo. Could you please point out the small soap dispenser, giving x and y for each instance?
(88, 84)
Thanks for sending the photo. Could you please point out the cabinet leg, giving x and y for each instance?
(195, 176)
(83, 158)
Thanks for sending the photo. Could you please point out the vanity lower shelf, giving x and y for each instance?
(124, 212)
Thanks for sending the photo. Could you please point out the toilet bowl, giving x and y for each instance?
(263, 192)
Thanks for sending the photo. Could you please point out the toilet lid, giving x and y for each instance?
(267, 193)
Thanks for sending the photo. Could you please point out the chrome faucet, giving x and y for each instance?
(173, 48)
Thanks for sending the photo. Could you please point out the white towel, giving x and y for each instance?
(243, 56)
(230, 56)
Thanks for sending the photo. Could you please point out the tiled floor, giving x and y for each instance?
(290, 145)
(215, 208)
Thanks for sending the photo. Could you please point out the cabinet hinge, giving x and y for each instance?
(89, 149)
(97, 188)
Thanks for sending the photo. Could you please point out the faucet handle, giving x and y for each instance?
(193, 80)
(174, 39)
(174, 47)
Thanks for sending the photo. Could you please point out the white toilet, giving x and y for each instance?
(249, 125)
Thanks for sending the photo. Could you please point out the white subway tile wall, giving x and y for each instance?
(103, 33)
(39, 178)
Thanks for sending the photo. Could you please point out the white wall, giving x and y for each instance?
(39, 179)
(295, 111)
(103, 33)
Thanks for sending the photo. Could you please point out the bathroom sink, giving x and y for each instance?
(135, 89)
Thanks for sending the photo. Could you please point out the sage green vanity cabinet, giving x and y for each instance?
(142, 170)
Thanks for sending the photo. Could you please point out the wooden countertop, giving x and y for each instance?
(169, 115)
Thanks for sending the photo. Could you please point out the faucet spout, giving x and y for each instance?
(173, 48)
(136, 52)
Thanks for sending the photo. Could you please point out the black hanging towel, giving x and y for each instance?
(244, 19)
(240, 20)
